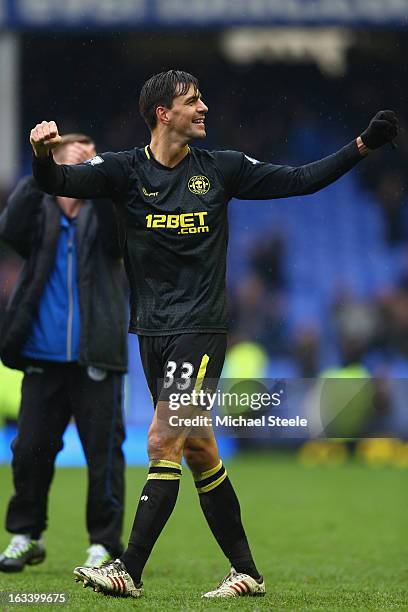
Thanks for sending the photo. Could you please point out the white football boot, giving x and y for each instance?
(111, 578)
(238, 585)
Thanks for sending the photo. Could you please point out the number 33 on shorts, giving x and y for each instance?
(184, 374)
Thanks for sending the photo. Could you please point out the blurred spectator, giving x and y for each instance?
(395, 313)
(10, 394)
(358, 327)
(259, 315)
(266, 260)
(390, 193)
(306, 352)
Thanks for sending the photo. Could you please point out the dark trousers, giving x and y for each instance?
(51, 394)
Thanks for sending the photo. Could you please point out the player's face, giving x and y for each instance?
(187, 115)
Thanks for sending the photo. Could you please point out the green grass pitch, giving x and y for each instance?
(326, 538)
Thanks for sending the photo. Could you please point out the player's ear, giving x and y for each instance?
(162, 114)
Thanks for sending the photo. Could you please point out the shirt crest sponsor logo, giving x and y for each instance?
(94, 161)
(199, 185)
(185, 223)
(149, 194)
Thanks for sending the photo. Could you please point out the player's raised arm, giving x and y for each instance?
(248, 178)
(102, 177)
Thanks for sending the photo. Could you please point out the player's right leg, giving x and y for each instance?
(122, 577)
(43, 418)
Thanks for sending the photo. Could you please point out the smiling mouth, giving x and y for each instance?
(199, 121)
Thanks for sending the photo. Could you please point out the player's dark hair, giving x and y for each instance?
(160, 90)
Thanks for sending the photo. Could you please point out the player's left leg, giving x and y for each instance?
(195, 364)
(221, 509)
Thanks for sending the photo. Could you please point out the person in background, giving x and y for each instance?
(65, 326)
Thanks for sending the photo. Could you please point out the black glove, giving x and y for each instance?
(383, 128)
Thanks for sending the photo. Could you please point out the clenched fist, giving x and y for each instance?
(44, 137)
(383, 128)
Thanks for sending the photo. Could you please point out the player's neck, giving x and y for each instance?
(168, 153)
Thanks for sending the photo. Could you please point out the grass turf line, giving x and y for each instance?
(326, 538)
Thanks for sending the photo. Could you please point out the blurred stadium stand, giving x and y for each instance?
(316, 281)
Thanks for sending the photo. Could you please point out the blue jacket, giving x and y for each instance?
(55, 330)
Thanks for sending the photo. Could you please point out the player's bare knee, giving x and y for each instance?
(200, 456)
(161, 447)
(155, 445)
